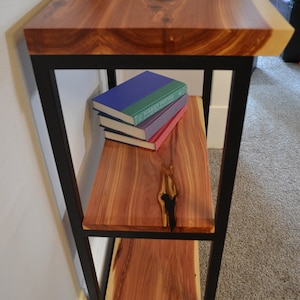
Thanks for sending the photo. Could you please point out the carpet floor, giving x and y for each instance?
(261, 258)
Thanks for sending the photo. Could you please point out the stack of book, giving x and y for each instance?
(143, 110)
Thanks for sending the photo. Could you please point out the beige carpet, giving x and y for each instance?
(262, 251)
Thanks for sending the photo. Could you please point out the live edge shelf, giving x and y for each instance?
(153, 34)
(127, 194)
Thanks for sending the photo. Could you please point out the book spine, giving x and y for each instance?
(167, 113)
(152, 103)
(149, 111)
(160, 137)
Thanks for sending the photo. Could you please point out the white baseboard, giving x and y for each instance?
(216, 126)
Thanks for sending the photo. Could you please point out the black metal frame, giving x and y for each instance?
(44, 68)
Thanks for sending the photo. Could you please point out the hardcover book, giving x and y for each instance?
(155, 141)
(138, 98)
(150, 126)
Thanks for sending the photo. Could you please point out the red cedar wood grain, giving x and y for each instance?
(128, 181)
(154, 269)
(190, 27)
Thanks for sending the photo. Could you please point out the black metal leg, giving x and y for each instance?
(106, 267)
(206, 94)
(234, 128)
(111, 78)
(46, 82)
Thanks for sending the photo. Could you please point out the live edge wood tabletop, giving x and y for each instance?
(194, 34)
(181, 27)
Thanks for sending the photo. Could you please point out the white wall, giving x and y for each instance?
(86, 141)
(218, 108)
(36, 260)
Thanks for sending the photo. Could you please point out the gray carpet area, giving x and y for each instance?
(262, 251)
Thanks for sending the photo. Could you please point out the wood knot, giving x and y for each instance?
(167, 198)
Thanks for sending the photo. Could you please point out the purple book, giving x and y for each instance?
(150, 126)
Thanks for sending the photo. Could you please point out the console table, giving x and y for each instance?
(152, 34)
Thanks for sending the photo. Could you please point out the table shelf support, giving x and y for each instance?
(47, 87)
(44, 69)
(234, 127)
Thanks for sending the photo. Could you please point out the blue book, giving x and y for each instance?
(146, 129)
(138, 98)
